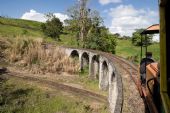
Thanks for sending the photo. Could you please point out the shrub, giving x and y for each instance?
(136, 38)
(53, 27)
(38, 58)
(24, 32)
(101, 40)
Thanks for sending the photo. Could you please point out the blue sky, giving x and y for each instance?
(122, 16)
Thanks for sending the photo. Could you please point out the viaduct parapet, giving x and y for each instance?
(101, 67)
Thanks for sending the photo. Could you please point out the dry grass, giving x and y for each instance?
(31, 54)
(4, 44)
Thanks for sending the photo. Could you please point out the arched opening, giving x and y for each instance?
(95, 66)
(74, 54)
(112, 77)
(105, 76)
(85, 62)
(105, 68)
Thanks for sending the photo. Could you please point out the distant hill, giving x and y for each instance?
(125, 49)
(21, 23)
(13, 27)
(18, 27)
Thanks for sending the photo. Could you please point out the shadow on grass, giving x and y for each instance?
(3, 70)
(21, 92)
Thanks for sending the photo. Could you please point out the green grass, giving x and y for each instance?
(155, 49)
(11, 31)
(68, 40)
(18, 27)
(11, 28)
(126, 49)
(19, 97)
(21, 23)
(89, 83)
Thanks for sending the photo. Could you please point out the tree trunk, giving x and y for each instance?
(83, 18)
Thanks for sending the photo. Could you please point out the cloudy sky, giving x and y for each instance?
(120, 16)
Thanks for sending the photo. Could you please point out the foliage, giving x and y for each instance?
(53, 27)
(89, 25)
(100, 39)
(127, 50)
(117, 35)
(126, 37)
(82, 19)
(136, 38)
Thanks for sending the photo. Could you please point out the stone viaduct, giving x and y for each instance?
(102, 68)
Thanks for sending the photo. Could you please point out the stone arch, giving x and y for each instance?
(112, 77)
(74, 54)
(95, 66)
(105, 68)
(105, 76)
(84, 60)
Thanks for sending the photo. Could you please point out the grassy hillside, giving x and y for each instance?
(26, 98)
(126, 49)
(12, 31)
(17, 27)
(21, 23)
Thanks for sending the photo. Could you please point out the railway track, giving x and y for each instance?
(134, 74)
(130, 69)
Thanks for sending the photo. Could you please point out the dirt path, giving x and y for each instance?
(63, 87)
(60, 84)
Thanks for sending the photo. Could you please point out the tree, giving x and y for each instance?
(126, 37)
(100, 39)
(88, 25)
(117, 35)
(53, 27)
(81, 19)
(136, 38)
(72, 24)
(78, 19)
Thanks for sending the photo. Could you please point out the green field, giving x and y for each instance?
(21, 23)
(28, 98)
(126, 49)
(17, 27)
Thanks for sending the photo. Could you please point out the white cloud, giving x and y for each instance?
(61, 16)
(33, 15)
(104, 2)
(156, 38)
(36, 16)
(125, 19)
